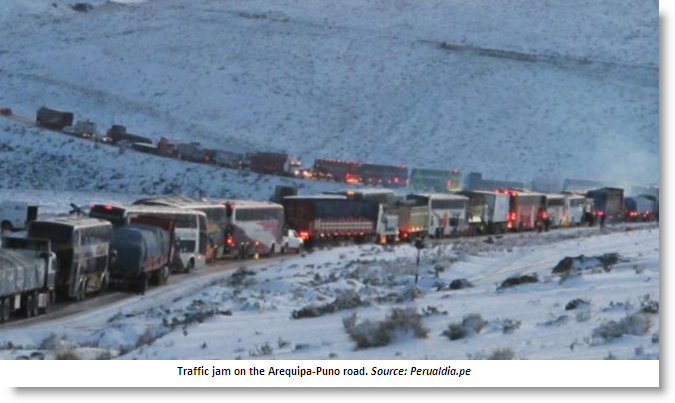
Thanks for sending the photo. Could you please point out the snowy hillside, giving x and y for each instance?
(303, 307)
(514, 89)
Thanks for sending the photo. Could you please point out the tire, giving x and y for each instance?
(272, 250)
(104, 284)
(48, 303)
(4, 310)
(190, 265)
(36, 305)
(143, 283)
(163, 276)
(284, 249)
(82, 295)
(27, 306)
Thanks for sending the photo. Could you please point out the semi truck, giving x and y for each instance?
(607, 202)
(53, 119)
(27, 277)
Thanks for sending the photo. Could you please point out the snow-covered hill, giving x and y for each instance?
(514, 89)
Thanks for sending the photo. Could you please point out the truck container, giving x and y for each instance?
(413, 218)
(143, 253)
(527, 210)
(270, 163)
(27, 277)
(84, 128)
(323, 217)
(447, 213)
(387, 227)
(193, 152)
(640, 208)
(53, 119)
(607, 202)
(167, 148)
(16, 215)
(228, 159)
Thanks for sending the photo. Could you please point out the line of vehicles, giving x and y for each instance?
(133, 246)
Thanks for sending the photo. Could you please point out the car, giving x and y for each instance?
(291, 240)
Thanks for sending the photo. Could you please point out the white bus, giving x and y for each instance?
(575, 209)
(216, 220)
(555, 208)
(447, 213)
(253, 228)
(190, 228)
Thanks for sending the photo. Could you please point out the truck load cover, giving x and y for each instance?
(331, 215)
(22, 270)
(139, 248)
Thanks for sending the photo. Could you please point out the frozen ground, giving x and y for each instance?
(248, 314)
(514, 88)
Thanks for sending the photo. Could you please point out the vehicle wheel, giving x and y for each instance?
(163, 275)
(143, 283)
(27, 306)
(4, 310)
(83, 289)
(104, 284)
(272, 250)
(48, 303)
(36, 304)
(283, 249)
(190, 265)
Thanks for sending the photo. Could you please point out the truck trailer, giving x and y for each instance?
(27, 277)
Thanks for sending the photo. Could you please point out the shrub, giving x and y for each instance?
(577, 303)
(66, 354)
(381, 333)
(510, 325)
(348, 300)
(636, 324)
(460, 283)
(518, 280)
(502, 354)
(455, 331)
(472, 323)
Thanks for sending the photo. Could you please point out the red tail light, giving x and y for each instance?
(512, 216)
(108, 206)
(229, 240)
(304, 235)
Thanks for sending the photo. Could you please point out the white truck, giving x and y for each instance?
(27, 277)
(15, 216)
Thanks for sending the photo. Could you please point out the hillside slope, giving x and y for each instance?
(514, 89)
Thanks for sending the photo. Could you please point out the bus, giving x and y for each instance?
(383, 175)
(435, 180)
(82, 246)
(253, 228)
(190, 228)
(216, 220)
(336, 170)
(447, 213)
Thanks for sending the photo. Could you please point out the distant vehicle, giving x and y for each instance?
(475, 181)
(190, 227)
(84, 128)
(15, 216)
(53, 119)
(336, 170)
(435, 180)
(216, 220)
(321, 218)
(607, 202)
(575, 209)
(383, 175)
(118, 133)
(555, 209)
(527, 210)
(144, 250)
(413, 218)
(167, 148)
(582, 185)
(291, 241)
(27, 277)
(192, 152)
(228, 159)
(253, 228)
(640, 208)
(6, 112)
(82, 249)
(270, 163)
(447, 213)
(488, 211)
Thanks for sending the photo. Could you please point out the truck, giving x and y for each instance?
(488, 211)
(27, 277)
(640, 208)
(413, 218)
(282, 191)
(383, 175)
(387, 227)
(118, 133)
(336, 170)
(321, 218)
(228, 159)
(85, 129)
(193, 152)
(607, 202)
(270, 163)
(53, 119)
(435, 180)
(143, 250)
(527, 210)
(15, 216)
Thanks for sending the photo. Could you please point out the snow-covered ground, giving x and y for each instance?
(248, 314)
(514, 89)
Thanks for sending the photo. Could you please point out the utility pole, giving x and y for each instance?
(419, 244)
